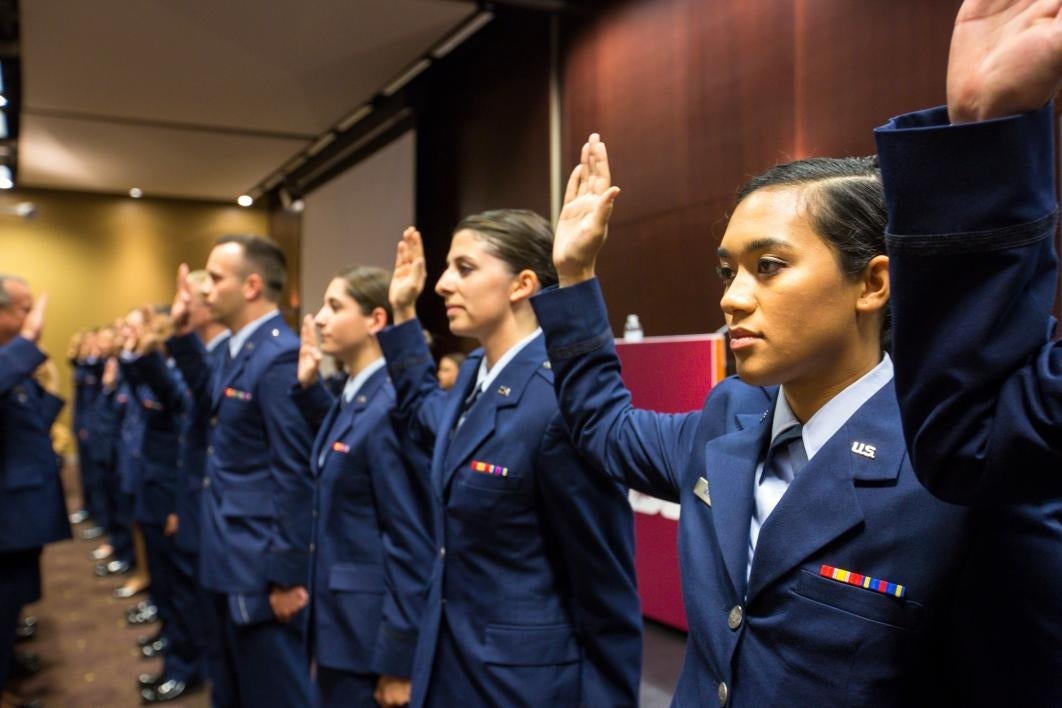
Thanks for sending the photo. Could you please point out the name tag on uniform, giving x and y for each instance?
(700, 490)
(237, 394)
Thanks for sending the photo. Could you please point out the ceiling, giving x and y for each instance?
(199, 98)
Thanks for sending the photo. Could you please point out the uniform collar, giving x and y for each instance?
(485, 378)
(240, 338)
(828, 420)
(354, 383)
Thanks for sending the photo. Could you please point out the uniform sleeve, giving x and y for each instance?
(972, 216)
(402, 499)
(290, 439)
(19, 358)
(639, 448)
(171, 392)
(313, 402)
(420, 400)
(193, 362)
(592, 526)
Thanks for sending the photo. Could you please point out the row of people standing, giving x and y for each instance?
(325, 528)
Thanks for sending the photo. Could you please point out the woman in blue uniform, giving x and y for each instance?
(532, 599)
(816, 569)
(372, 553)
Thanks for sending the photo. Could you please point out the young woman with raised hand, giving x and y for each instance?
(532, 599)
(973, 212)
(815, 567)
(372, 552)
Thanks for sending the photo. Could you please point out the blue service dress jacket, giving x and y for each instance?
(785, 633)
(372, 513)
(162, 399)
(532, 599)
(32, 507)
(195, 431)
(972, 221)
(258, 497)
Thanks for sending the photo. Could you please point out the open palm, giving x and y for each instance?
(1005, 59)
(583, 223)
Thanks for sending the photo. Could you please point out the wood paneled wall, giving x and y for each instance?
(694, 96)
(482, 141)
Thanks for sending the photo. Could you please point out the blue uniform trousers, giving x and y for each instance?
(247, 649)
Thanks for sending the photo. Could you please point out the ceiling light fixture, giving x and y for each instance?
(407, 76)
(3, 101)
(244, 200)
(136, 192)
(470, 28)
(6, 180)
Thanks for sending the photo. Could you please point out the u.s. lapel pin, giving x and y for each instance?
(504, 390)
(861, 448)
(763, 417)
(547, 365)
(700, 490)
(360, 399)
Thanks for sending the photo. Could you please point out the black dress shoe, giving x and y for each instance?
(79, 516)
(156, 648)
(114, 567)
(150, 680)
(25, 664)
(167, 691)
(125, 592)
(26, 629)
(90, 534)
(146, 617)
(101, 555)
(140, 608)
(145, 640)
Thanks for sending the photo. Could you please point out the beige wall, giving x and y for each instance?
(98, 256)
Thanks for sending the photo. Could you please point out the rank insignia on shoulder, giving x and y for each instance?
(861, 448)
(488, 468)
(337, 446)
(700, 490)
(863, 581)
(237, 394)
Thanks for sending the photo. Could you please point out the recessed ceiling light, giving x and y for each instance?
(136, 192)
(3, 101)
(244, 200)
(5, 178)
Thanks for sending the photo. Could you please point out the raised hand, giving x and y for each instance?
(309, 353)
(182, 300)
(1006, 58)
(407, 281)
(110, 374)
(583, 223)
(34, 322)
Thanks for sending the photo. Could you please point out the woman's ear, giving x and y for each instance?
(875, 293)
(524, 286)
(377, 320)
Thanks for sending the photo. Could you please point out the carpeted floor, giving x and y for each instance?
(91, 659)
(88, 650)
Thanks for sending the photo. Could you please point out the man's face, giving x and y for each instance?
(226, 298)
(14, 314)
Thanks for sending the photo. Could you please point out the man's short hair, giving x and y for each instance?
(5, 296)
(264, 257)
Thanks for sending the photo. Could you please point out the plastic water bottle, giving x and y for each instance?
(632, 329)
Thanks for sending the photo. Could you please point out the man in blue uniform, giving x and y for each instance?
(32, 508)
(258, 494)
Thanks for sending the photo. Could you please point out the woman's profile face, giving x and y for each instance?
(790, 310)
(343, 325)
(447, 373)
(475, 287)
